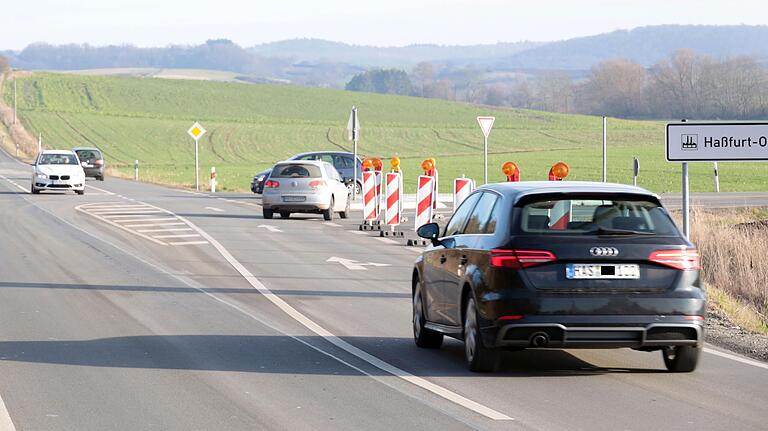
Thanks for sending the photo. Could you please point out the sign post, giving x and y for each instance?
(353, 130)
(196, 132)
(486, 124)
(713, 142)
(605, 149)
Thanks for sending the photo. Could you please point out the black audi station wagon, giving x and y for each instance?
(559, 265)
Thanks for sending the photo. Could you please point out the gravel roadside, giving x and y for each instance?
(721, 332)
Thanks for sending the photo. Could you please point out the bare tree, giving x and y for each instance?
(444, 89)
(554, 92)
(423, 76)
(4, 65)
(615, 87)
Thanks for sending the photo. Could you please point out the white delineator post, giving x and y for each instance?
(135, 170)
(462, 187)
(392, 214)
(369, 197)
(213, 179)
(717, 179)
(424, 200)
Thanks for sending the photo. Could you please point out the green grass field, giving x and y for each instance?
(252, 126)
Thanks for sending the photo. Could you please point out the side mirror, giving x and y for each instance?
(429, 231)
(83, 164)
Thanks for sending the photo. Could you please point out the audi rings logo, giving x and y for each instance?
(604, 251)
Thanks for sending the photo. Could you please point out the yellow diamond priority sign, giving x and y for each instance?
(196, 131)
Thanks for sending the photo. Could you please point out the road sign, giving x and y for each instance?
(486, 124)
(712, 142)
(353, 125)
(196, 131)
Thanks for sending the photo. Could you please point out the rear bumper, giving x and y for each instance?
(94, 172)
(313, 203)
(596, 332)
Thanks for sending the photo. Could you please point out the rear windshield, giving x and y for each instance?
(88, 154)
(57, 159)
(296, 170)
(595, 217)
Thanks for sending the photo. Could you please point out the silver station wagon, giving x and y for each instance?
(305, 186)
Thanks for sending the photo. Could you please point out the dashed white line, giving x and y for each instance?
(101, 190)
(178, 229)
(123, 211)
(189, 243)
(218, 210)
(191, 235)
(330, 223)
(146, 219)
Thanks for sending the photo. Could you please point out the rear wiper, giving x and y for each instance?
(607, 231)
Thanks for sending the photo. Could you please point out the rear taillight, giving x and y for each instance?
(316, 184)
(684, 260)
(99, 162)
(518, 259)
(271, 184)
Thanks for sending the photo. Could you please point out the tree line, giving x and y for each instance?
(685, 85)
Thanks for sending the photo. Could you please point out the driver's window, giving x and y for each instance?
(459, 219)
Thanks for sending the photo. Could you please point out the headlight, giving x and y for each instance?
(42, 176)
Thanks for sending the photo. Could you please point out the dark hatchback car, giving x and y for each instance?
(560, 265)
(340, 160)
(92, 161)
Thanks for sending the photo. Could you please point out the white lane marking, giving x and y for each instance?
(81, 209)
(178, 229)
(191, 235)
(192, 193)
(354, 265)
(154, 224)
(122, 216)
(146, 219)
(126, 212)
(116, 206)
(100, 190)
(344, 345)
(736, 358)
(358, 232)
(270, 228)
(385, 240)
(189, 243)
(24, 189)
(330, 223)
(218, 210)
(6, 424)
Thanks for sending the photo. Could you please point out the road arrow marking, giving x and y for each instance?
(269, 228)
(354, 265)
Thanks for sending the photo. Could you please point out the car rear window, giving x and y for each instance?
(296, 170)
(88, 154)
(595, 217)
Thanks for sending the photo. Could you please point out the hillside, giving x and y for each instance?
(645, 45)
(252, 126)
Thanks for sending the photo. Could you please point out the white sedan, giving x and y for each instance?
(58, 170)
(305, 186)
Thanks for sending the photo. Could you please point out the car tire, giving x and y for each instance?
(285, 214)
(34, 190)
(328, 214)
(345, 213)
(424, 337)
(267, 214)
(681, 359)
(479, 357)
(80, 192)
(101, 178)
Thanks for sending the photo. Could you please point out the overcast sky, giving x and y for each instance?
(378, 22)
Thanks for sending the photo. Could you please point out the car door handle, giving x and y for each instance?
(463, 260)
(443, 259)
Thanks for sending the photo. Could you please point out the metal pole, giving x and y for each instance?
(197, 170)
(717, 179)
(605, 150)
(635, 171)
(354, 151)
(686, 203)
(485, 159)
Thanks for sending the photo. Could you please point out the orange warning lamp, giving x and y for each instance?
(428, 165)
(509, 168)
(394, 162)
(377, 164)
(559, 171)
(367, 164)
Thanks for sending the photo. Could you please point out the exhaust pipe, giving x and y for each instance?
(539, 339)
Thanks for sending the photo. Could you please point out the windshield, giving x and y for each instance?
(595, 217)
(57, 159)
(296, 171)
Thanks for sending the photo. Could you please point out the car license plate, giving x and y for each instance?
(294, 198)
(577, 271)
(59, 182)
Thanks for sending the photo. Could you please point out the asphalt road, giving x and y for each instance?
(143, 307)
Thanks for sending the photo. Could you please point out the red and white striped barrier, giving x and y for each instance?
(379, 191)
(370, 209)
(424, 199)
(392, 214)
(560, 215)
(462, 187)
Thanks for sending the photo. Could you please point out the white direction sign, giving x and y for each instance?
(486, 124)
(713, 142)
(354, 265)
(353, 125)
(196, 131)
